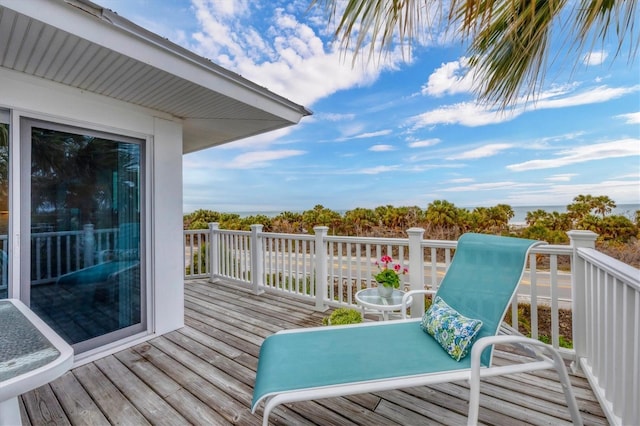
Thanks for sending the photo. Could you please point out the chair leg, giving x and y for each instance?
(474, 400)
(569, 396)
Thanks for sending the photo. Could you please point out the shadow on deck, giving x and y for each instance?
(204, 374)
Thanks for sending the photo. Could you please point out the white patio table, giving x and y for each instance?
(369, 298)
(31, 355)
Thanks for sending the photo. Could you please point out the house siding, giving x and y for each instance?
(36, 98)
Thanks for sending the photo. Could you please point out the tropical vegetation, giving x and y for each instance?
(441, 219)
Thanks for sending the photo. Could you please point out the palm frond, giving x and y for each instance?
(378, 24)
(509, 49)
(508, 40)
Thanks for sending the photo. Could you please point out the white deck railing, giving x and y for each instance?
(58, 253)
(331, 275)
(602, 294)
(607, 329)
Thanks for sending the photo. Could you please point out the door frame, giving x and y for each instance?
(22, 198)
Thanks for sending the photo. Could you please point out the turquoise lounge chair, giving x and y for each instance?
(313, 363)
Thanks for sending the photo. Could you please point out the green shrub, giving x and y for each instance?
(342, 316)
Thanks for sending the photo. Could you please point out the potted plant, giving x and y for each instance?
(388, 276)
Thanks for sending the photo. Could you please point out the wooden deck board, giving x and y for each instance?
(203, 374)
(76, 403)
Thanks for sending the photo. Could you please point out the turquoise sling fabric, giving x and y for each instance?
(127, 243)
(482, 279)
(95, 274)
(479, 284)
(348, 354)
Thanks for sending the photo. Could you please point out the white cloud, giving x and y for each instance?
(377, 170)
(560, 138)
(565, 177)
(481, 152)
(260, 159)
(591, 96)
(631, 118)
(620, 148)
(461, 180)
(424, 143)
(472, 114)
(451, 78)
(382, 148)
(467, 114)
(490, 186)
(595, 58)
(374, 134)
(289, 58)
(622, 191)
(350, 133)
(334, 117)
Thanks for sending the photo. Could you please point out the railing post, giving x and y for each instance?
(579, 239)
(214, 255)
(89, 244)
(321, 266)
(257, 259)
(416, 269)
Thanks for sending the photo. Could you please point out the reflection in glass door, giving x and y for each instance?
(4, 204)
(84, 233)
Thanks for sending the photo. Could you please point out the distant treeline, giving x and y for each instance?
(441, 220)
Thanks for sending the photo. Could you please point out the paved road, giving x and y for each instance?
(543, 278)
(543, 284)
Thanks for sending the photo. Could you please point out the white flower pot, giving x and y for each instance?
(384, 291)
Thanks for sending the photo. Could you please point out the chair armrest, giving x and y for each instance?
(546, 357)
(409, 294)
(104, 256)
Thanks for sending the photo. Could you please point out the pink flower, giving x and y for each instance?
(389, 272)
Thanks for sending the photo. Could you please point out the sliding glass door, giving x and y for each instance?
(83, 195)
(4, 204)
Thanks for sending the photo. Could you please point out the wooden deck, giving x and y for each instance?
(203, 374)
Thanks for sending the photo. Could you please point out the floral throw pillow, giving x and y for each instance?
(453, 331)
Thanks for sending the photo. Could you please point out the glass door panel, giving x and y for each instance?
(85, 234)
(4, 204)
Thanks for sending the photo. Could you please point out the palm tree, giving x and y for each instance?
(362, 220)
(322, 216)
(603, 205)
(441, 213)
(508, 40)
(536, 217)
(581, 207)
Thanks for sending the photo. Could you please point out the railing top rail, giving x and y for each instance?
(195, 231)
(101, 230)
(231, 231)
(439, 244)
(368, 240)
(307, 237)
(57, 233)
(625, 273)
(553, 249)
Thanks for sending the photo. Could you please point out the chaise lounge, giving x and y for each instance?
(468, 308)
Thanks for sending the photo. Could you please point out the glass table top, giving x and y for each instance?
(371, 297)
(24, 347)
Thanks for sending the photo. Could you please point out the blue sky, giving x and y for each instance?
(404, 130)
